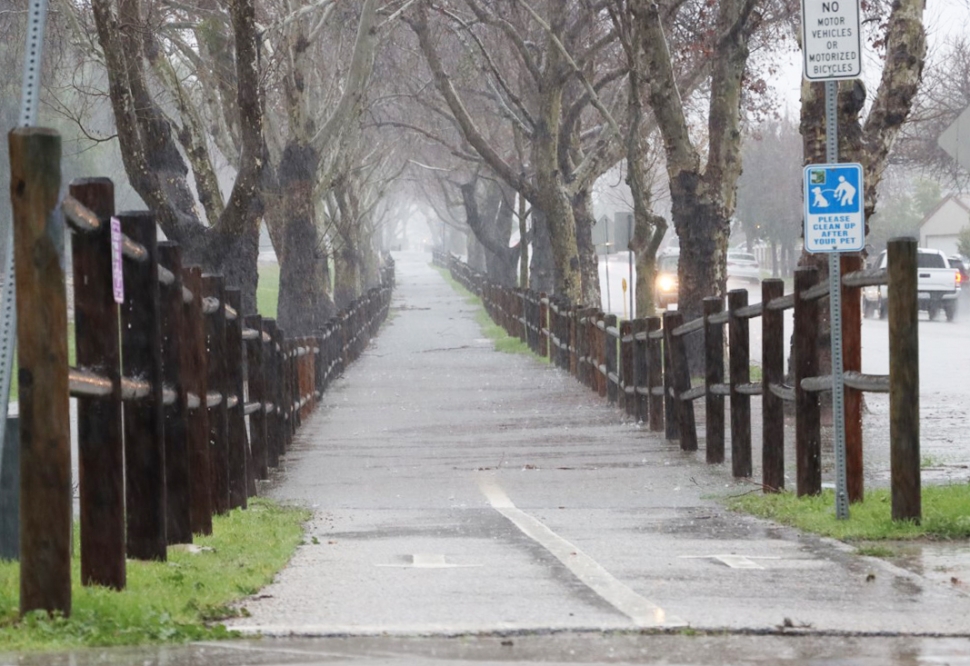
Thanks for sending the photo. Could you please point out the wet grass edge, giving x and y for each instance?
(945, 511)
(181, 600)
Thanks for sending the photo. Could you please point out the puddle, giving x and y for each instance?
(946, 563)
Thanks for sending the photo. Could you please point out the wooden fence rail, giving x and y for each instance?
(178, 415)
(642, 366)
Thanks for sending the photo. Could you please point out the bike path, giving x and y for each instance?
(456, 489)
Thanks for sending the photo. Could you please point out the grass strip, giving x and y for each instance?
(165, 602)
(268, 289)
(946, 514)
(502, 341)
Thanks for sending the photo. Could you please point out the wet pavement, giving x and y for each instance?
(484, 507)
(548, 649)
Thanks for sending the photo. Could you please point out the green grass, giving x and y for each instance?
(165, 602)
(503, 341)
(946, 514)
(268, 289)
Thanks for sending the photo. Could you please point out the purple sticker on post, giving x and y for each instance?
(117, 278)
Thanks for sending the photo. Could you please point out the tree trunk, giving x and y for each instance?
(476, 254)
(347, 272)
(588, 261)
(704, 233)
(541, 268)
(304, 305)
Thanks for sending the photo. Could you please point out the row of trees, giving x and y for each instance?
(330, 121)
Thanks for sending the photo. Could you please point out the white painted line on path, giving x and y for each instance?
(428, 561)
(733, 561)
(644, 613)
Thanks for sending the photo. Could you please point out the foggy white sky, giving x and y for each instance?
(944, 20)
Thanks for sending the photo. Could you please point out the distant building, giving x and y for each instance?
(941, 226)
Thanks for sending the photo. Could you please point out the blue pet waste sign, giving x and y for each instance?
(834, 220)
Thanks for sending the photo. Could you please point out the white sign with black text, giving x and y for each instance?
(831, 40)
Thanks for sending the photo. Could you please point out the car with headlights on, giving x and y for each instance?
(665, 283)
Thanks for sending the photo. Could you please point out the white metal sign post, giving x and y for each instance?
(834, 193)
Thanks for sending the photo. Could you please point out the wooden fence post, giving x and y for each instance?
(655, 376)
(178, 526)
(599, 354)
(574, 363)
(238, 444)
(772, 372)
(45, 435)
(286, 379)
(101, 456)
(545, 327)
(257, 393)
(904, 380)
(628, 396)
(808, 451)
(144, 425)
(740, 367)
(641, 380)
(713, 376)
(274, 428)
(609, 360)
(680, 382)
(213, 287)
(852, 361)
(320, 364)
(671, 422)
(195, 381)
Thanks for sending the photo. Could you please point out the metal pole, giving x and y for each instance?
(629, 236)
(36, 19)
(835, 314)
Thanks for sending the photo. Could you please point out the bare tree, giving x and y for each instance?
(553, 51)
(702, 189)
(150, 140)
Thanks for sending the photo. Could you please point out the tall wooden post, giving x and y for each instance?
(852, 360)
(808, 446)
(904, 380)
(628, 396)
(179, 524)
(713, 375)
(213, 286)
(772, 372)
(257, 393)
(274, 430)
(101, 456)
(45, 435)
(609, 359)
(739, 361)
(141, 353)
(655, 376)
(680, 381)
(238, 444)
(195, 364)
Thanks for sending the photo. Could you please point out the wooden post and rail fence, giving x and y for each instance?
(161, 383)
(643, 367)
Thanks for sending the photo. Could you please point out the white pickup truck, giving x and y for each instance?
(938, 284)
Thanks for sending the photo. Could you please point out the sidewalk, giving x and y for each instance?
(459, 490)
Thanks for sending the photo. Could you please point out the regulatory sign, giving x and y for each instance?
(831, 40)
(117, 272)
(834, 219)
(955, 139)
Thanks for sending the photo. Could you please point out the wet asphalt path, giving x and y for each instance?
(471, 506)
(461, 490)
